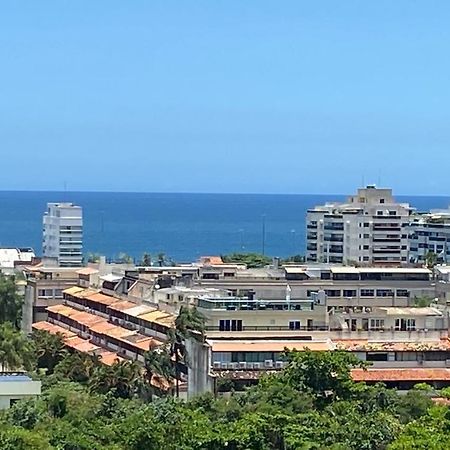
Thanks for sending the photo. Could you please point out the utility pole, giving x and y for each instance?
(263, 234)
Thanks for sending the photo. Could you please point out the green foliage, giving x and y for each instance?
(326, 375)
(146, 260)
(251, 260)
(10, 301)
(312, 404)
(16, 351)
(297, 259)
(50, 349)
(422, 302)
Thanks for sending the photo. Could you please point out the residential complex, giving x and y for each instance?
(370, 228)
(430, 233)
(63, 234)
(252, 315)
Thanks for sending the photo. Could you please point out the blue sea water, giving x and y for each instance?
(183, 226)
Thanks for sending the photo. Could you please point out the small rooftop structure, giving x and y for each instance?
(16, 386)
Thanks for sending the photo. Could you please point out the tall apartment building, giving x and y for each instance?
(370, 227)
(63, 234)
(430, 233)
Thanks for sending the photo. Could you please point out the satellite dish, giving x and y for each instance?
(157, 286)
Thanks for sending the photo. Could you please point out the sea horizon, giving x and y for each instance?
(182, 225)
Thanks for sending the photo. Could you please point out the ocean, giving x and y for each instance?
(183, 226)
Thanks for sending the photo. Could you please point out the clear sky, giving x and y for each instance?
(225, 96)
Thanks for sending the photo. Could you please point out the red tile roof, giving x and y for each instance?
(417, 375)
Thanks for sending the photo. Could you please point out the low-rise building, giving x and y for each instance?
(15, 386)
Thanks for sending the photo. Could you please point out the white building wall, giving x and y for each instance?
(63, 233)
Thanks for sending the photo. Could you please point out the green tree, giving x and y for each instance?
(123, 377)
(10, 301)
(326, 375)
(146, 260)
(16, 351)
(50, 349)
(251, 260)
(431, 259)
(17, 438)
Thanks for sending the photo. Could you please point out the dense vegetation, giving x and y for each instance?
(312, 404)
(251, 260)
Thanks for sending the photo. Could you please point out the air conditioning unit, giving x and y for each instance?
(242, 365)
(233, 366)
(250, 366)
(257, 365)
(447, 363)
(217, 365)
(268, 363)
(279, 364)
(224, 366)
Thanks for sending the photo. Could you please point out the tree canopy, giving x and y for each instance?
(312, 404)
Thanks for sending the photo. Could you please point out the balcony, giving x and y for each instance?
(334, 226)
(272, 328)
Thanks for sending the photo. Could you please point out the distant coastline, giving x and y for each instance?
(182, 225)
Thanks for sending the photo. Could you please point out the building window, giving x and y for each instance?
(402, 293)
(385, 293)
(405, 324)
(367, 292)
(377, 324)
(294, 325)
(230, 325)
(349, 293)
(381, 200)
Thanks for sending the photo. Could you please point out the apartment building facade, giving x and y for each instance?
(369, 228)
(63, 234)
(430, 233)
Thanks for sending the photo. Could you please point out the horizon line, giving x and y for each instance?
(200, 193)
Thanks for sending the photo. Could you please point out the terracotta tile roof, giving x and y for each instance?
(160, 317)
(53, 329)
(418, 374)
(121, 306)
(74, 290)
(364, 345)
(87, 271)
(102, 298)
(213, 260)
(138, 310)
(80, 344)
(86, 319)
(101, 327)
(109, 358)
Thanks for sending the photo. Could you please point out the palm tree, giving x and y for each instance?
(189, 324)
(122, 378)
(158, 367)
(78, 367)
(50, 349)
(16, 351)
(146, 260)
(10, 301)
(161, 259)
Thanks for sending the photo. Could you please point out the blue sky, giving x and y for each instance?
(225, 96)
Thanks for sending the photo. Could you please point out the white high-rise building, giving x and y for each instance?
(370, 228)
(63, 234)
(430, 233)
